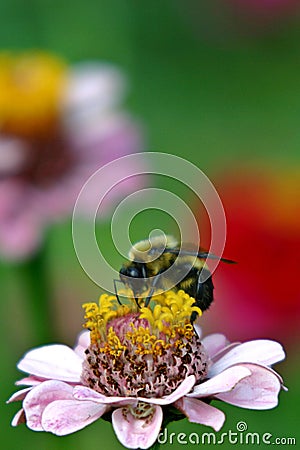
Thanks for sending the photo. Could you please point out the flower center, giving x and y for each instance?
(141, 411)
(143, 352)
(48, 159)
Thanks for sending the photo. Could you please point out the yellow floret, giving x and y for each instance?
(168, 313)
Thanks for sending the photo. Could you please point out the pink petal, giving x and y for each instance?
(19, 395)
(92, 89)
(136, 433)
(121, 176)
(13, 155)
(57, 362)
(182, 390)
(223, 382)
(82, 343)
(276, 375)
(20, 235)
(18, 418)
(39, 397)
(63, 417)
(213, 343)
(200, 412)
(259, 391)
(224, 351)
(20, 225)
(29, 381)
(260, 351)
(86, 393)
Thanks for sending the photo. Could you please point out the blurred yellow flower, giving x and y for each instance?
(30, 87)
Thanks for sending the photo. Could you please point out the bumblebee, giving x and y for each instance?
(160, 263)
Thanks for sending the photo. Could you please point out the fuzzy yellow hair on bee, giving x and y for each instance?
(147, 249)
(162, 263)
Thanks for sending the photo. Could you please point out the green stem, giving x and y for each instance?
(34, 277)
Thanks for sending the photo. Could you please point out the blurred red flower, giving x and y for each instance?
(259, 297)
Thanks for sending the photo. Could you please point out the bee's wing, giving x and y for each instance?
(200, 253)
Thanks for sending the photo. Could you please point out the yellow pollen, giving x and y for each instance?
(113, 345)
(168, 317)
(173, 308)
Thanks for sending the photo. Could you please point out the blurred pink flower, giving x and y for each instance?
(132, 366)
(262, 13)
(270, 7)
(227, 21)
(58, 125)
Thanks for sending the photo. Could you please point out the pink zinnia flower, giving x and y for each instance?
(58, 125)
(135, 364)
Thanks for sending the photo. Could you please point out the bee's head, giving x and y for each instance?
(132, 275)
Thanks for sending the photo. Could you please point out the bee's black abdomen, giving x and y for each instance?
(205, 294)
(202, 292)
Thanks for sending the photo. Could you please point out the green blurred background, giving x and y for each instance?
(225, 94)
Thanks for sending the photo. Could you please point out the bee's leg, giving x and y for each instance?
(153, 286)
(116, 291)
(195, 329)
(144, 270)
(144, 273)
(147, 301)
(137, 302)
(117, 295)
